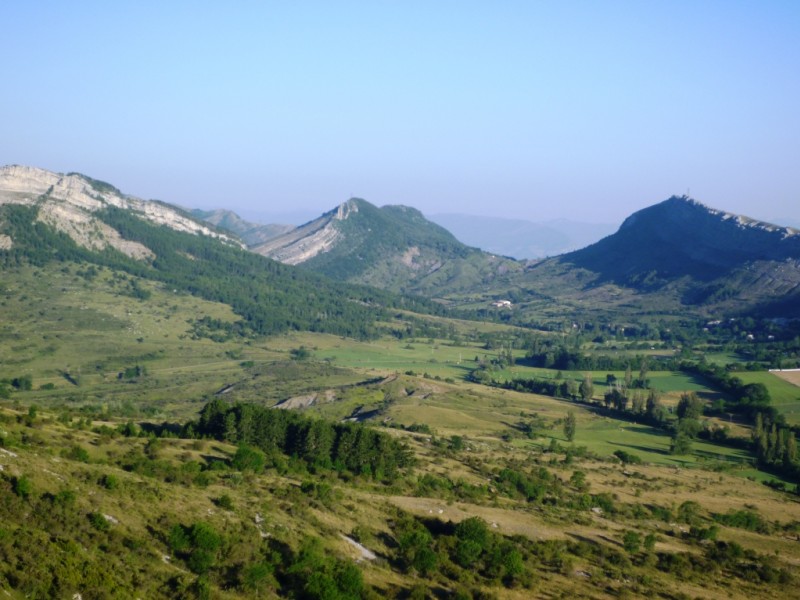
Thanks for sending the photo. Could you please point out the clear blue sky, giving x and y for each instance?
(536, 110)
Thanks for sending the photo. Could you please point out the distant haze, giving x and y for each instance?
(522, 239)
(587, 111)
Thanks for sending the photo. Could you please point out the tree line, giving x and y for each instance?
(345, 447)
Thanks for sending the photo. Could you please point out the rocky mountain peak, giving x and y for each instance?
(345, 209)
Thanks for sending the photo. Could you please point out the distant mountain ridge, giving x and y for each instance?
(675, 257)
(522, 239)
(250, 233)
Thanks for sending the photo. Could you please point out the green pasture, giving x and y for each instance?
(605, 435)
(436, 358)
(785, 396)
(723, 358)
(663, 381)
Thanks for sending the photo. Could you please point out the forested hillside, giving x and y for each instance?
(270, 297)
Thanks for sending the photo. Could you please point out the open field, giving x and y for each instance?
(388, 355)
(785, 395)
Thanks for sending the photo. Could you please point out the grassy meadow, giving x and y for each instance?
(785, 395)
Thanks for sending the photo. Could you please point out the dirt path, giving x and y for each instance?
(366, 553)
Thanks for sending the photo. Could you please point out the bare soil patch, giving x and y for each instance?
(792, 377)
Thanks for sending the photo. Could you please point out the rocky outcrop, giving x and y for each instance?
(307, 241)
(67, 203)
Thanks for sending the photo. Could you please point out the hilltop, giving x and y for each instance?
(682, 237)
(678, 257)
(392, 247)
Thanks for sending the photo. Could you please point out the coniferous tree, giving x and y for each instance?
(570, 426)
(587, 388)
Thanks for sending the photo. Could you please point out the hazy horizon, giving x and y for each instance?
(533, 111)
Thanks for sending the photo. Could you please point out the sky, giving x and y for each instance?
(532, 110)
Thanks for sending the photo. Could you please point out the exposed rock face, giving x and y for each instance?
(67, 202)
(307, 241)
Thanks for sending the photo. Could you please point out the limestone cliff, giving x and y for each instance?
(307, 241)
(67, 203)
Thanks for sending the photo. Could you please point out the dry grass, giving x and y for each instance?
(792, 377)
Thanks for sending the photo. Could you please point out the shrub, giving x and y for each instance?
(98, 521)
(627, 458)
(78, 453)
(631, 541)
(65, 498)
(248, 458)
(225, 502)
(23, 487)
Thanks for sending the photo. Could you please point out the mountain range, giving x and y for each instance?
(678, 255)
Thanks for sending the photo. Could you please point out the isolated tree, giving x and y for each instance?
(569, 426)
(586, 388)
